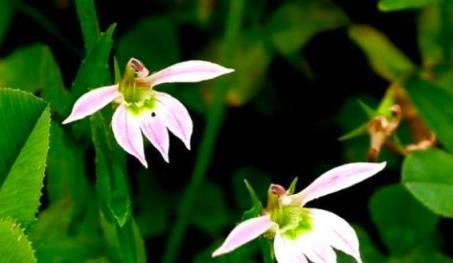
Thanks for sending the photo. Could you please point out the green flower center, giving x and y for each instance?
(292, 220)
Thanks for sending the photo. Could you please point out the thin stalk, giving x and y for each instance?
(215, 117)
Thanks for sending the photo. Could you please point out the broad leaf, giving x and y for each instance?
(33, 68)
(25, 141)
(401, 229)
(14, 244)
(393, 5)
(293, 24)
(434, 106)
(428, 175)
(383, 56)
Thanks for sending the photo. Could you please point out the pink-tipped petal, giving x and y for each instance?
(127, 133)
(286, 252)
(337, 179)
(189, 71)
(91, 102)
(243, 233)
(156, 132)
(336, 232)
(175, 116)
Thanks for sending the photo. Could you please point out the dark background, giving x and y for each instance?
(298, 137)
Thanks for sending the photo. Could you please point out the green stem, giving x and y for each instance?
(215, 118)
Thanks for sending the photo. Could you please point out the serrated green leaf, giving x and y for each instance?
(25, 129)
(401, 229)
(33, 68)
(428, 175)
(434, 106)
(86, 11)
(293, 24)
(394, 5)
(111, 179)
(14, 244)
(386, 59)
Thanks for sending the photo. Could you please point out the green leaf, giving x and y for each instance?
(25, 141)
(153, 40)
(292, 186)
(66, 175)
(251, 61)
(257, 206)
(210, 212)
(433, 39)
(94, 70)
(86, 11)
(33, 68)
(386, 59)
(423, 256)
(124, 243)
(111, 176)
(14, 244)
(401, 229)
(58, 236)
(428, 175)
(6, 13)
(293, 24)
(434, 106)
(393, 5)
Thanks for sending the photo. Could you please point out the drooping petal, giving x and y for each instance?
(127, 133)
(91, 102)
(243, 233)
(156, 132)
(319, 253)
(286, 252)
(336, 231)
(189, 71)
(175, 116)
(337, 179)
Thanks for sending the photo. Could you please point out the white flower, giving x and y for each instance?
(305, 234)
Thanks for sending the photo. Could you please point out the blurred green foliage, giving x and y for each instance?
(109, 221)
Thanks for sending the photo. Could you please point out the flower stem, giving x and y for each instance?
(215, 118)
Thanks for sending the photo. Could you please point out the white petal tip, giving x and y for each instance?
(144, 163)
(228, 71)
(217, 253)
(67, 120)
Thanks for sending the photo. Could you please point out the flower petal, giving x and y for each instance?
(127, 133)
(189, 71)
(156, 132)
(337, 179)
(243, 233)
(317, 252)
(175, 116)
(336, 231)
(286, 252)
(91, 102)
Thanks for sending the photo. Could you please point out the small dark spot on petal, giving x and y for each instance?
(153, 114)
